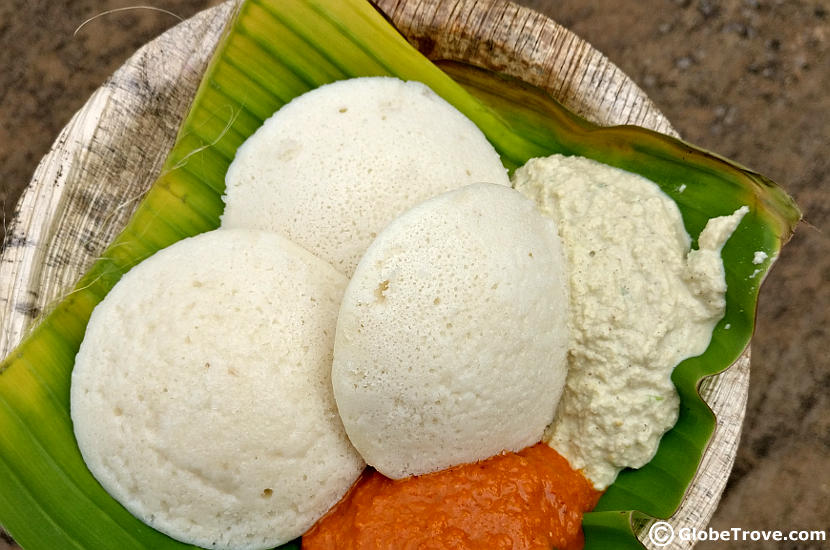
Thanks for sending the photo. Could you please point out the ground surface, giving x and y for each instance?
(746, 78)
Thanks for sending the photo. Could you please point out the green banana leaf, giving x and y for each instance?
(275, 50)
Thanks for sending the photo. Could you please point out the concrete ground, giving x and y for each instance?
(746, 78)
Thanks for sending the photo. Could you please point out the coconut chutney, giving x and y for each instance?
(640, 302)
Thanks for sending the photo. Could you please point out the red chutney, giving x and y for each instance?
(518, 501)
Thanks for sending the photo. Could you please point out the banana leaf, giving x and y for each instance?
(273, 51)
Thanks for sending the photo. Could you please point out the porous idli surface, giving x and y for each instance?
(331, 168)
(452, 333)
(201, 395)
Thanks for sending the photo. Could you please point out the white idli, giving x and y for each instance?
(332, 167)
(201, 395)
(452, 334)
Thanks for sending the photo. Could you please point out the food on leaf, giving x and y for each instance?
(267, 57)
(640, 303)
(201, 395)
(331, 168)
(530, 499)
(451, 339)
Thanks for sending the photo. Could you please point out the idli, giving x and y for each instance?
(201, 396)
(332, 167)
(452, 334)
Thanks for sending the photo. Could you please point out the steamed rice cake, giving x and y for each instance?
(452, 333)
(201, 395)
(331, 168)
